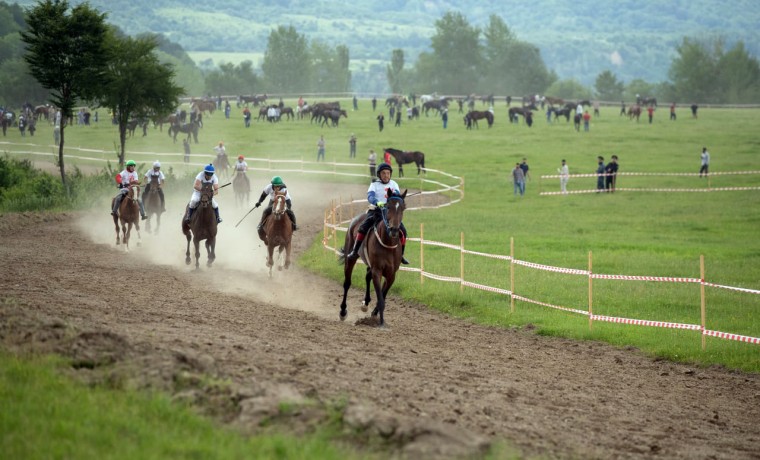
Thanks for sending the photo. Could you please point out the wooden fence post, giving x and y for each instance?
(512, 274)
(702, 297)
(461, 262)
(590, 296)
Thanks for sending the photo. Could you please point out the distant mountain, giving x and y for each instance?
(633, 39)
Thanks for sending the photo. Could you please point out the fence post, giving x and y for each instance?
(325, 236)
(461, 262)
(590, 296)
(702, 297)
(422, 254)
(335, 227)
(512, 274)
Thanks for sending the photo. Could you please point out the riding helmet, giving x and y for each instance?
(131, 163)
(277, 180)
(209, 169)
(156, 164)
(383, 167)
(241, 157)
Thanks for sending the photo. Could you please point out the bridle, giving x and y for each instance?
(392, 231)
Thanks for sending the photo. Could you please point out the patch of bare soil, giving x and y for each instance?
(428, 386)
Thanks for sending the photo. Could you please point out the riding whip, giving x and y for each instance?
(228, 183)
(246, 214)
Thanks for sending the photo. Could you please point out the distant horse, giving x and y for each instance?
(222, 165)
(402, 158)
(202, 226)
(152, 203)
(133, 124)
(437, 105)
(563, 112)
(474, 116)
(255, 99)
(279, 232)
(287, 111)
(515, 111)
(129, 215)
(242, 188)
(554, 101)
(647, 101)
(159, 121)
(381, 253)
(634, 111)
(191, 129)
(333, 116)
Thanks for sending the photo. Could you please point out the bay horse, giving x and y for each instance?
(152, 204)
(634, 111)
(402, 158)
(381, 253)
(333, 116)
(242, 188)
(129, 215)
(191, 129)
(515, 111)
(475, 115)
(279, 231)
(202, 226)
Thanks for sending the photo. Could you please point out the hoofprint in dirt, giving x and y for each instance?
(430, 384)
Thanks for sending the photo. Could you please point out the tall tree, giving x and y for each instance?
(498, 41)
(65, 49)
(608, 88)
(739, 76)
(693, 72)
(233, 79)
(458, 55)
(138, 85)
(287, 63)
(394, 69)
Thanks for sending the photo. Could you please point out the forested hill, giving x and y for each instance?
(633, 39)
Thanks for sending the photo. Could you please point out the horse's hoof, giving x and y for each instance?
(364, 308)
(343, 315)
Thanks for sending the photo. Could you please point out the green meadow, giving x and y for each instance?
(651, 232)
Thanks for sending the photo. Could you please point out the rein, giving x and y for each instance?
(384, 213)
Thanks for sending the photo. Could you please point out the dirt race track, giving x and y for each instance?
(428, 386)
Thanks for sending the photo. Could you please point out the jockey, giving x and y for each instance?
(206, 176)
(377, 195)
(241, 167)
(275, 185)
(124, 180)
(155, 172)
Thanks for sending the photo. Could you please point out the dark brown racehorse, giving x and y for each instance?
(279, 232)
(402, 158)
(202, 226)
(129, 215)
(191, 129)
(381, 252)
(634, 111)
(152, 204)
(515, 111)
(472, 117)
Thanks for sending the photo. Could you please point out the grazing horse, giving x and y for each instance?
(129, 215)
(634, 111)
(438, 106)
(242, 188)
(287, 111)
(152, 204)
(402, 158)
(554, 101)
(202, 226)
(333, 116)
(647, 101)
(475, 115)
(279, 231)
(381, 253)
(191, 129)
(515, 111)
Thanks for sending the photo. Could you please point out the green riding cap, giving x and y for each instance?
(277, 180)
(131, 163)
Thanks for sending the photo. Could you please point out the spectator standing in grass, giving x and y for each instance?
(705, 162)
(321, 148)
(372, 163)
(600, 171)
(564, 175)
(611, 178)
(518, 179)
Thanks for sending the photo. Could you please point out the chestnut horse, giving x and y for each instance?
(381, 253)
(279, 232)
(152, 204)
(129, 215)
(202, 226)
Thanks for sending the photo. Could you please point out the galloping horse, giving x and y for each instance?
(381, 253)
(242, 188)
(279, 231)
(475, 115)
(202, 226)
(152, 204)
(402, 158)
(129, 215)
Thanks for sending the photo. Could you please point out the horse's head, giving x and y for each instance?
(134, 191)
(207, 193)
(279, 204)
(394, 213)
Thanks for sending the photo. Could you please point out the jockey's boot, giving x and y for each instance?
(189, 214)
(403, 259)
(142, 210)
(354, 254)
(262, 233)
(218, 219)
(292, 219)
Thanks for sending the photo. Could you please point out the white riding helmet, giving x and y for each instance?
(156, 164)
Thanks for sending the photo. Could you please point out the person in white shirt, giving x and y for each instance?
(206, 176)
(159, 175)
(126, 178)
(240, 168)
(377, 195)
(274, 186)
(564, 173)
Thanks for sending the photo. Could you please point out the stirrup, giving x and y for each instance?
(143, 217)
(404, 261)
(353, 255)
(218, 220)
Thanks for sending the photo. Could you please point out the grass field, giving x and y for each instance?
(631, 233)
